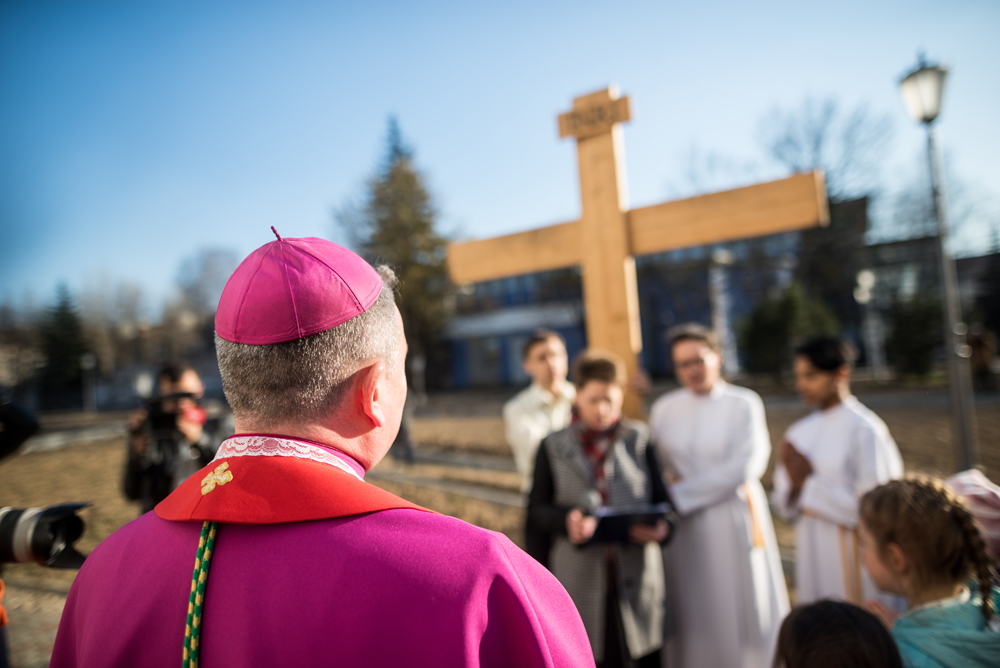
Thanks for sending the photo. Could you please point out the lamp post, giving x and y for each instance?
(922, 90)
(718, 290)
(871, 327)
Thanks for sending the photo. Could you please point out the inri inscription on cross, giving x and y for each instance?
(608, 236)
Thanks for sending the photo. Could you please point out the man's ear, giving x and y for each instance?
(371, 392)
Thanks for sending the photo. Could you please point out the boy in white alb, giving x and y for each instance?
(828, 459)
(543, 407)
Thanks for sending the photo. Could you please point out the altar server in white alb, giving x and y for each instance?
(724, 580)
(828, 459)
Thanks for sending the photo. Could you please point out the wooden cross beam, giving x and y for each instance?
(607, 237)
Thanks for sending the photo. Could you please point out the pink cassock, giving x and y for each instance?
(394, 585)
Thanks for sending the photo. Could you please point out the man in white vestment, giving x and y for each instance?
(724, 581)
(828, 459)
(543, 407)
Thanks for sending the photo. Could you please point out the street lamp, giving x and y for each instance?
(871, 327)
(922, 90)
(718, 291)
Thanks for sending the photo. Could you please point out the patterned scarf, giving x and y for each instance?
(596, 445)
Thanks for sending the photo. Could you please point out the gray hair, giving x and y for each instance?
(307, 378)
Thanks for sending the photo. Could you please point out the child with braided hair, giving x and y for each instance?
(919, 541)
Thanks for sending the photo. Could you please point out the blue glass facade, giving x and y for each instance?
(673, 288)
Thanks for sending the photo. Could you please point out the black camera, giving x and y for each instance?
(162, 412)
(161, 427)
(42, 535)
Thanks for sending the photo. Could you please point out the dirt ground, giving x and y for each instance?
(92, 473)
(922, 432)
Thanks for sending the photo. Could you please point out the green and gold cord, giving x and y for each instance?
(196, 604)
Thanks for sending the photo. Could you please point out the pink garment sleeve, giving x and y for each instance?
(532, 620)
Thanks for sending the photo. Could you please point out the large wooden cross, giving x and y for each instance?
(607, 237)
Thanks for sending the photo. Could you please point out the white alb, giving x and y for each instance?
(531, 415)
(724, 581)
(851, 451)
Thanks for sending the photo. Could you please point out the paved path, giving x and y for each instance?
(470, 489)
(469, 458)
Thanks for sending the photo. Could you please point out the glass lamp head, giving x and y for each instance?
(922, 90)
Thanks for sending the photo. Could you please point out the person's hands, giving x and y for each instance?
(884, 614)
(785, 450)
(580, 527)
(192, 430)
(190, 420)
(138, 443)
(649, 533)
(796, 464)
(137, 437)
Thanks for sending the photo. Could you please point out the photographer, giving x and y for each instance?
(16, 426)
(170, 439)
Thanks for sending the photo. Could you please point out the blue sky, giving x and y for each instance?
(134, 134)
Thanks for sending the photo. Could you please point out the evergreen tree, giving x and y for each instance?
(62, 345)
(779, 323)
(915, 334)
(395, 225)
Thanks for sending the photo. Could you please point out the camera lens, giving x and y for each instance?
(42, 535)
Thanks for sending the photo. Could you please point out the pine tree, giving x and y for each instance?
(914, 334)
(777, 325)
(62, 346)
(395, 225)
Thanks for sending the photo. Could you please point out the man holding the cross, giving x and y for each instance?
(279, 552)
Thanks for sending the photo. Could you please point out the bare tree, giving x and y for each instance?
(973, 211)
(186, 330)
(708, 171)
(112, 314)
(849, 146)
(20, 353)
(202, 277)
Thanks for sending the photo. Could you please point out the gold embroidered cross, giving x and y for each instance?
(220, 476)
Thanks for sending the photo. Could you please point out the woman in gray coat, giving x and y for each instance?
(602, 460)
